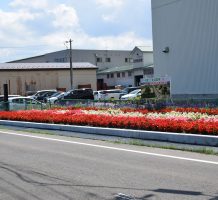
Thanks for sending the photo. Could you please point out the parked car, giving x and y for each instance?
(55, 97)
(85, 93)
(43, 96)
(127, 90)
(39, 93)
(110, 94)
(99, 95)
(24, 103)
(135, 94)
(9, 96)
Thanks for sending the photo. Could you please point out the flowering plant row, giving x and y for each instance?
(209, 111)
(171, 120)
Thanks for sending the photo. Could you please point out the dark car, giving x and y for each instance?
(40, 93)
(85, 93)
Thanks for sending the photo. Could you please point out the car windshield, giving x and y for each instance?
(128, 90)
(56, 94)
(60, 95)
(125, 90)
(135, 91)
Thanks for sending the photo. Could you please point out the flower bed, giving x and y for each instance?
(185, 120)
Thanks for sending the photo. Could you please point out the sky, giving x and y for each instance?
(30, 28)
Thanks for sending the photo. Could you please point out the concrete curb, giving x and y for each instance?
(136, 134)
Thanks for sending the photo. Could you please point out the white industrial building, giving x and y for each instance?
(103, 59)
(185, 42)
(141, 66)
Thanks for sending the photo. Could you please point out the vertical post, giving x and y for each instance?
(6, 97)
(71, 66)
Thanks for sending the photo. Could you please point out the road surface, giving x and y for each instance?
(48, 167)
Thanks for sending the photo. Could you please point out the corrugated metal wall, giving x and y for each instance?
(190, 29)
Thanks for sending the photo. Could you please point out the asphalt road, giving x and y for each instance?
(45, 167)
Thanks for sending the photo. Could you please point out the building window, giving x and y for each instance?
(99, 59)
(112, 75)
(123, 74)
(107, 59)
(137, 60)
(129, 73)
(60, 59)
(118, 75)
(126, 60)
(149, 71)
(108, 75)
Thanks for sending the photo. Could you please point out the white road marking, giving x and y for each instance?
(112, 148)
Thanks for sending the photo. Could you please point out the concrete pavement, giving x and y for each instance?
(56, 167)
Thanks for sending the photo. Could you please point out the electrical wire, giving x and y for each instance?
(20, 47)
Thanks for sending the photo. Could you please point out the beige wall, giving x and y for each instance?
(19, 82)
(80, 77)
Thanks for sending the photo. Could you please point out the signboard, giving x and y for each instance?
(156, 88)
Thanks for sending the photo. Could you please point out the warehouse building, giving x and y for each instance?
(103, 59)
(23, 78)
(185, 42)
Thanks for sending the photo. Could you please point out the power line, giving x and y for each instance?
(20, 47)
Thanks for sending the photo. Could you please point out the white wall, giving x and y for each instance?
(124, 81)
(148, 58)
(190, 29)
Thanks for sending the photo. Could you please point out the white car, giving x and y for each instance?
(9, 96)
(99, 95)
(113, 94)
(132, 95)
(55, 97)
(24, 103)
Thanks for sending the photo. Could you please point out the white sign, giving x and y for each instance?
(155, 81)
(156, 88)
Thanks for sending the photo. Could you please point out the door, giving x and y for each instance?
(100, 84)
(138, 80)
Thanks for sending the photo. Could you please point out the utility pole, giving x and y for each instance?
(71, 65)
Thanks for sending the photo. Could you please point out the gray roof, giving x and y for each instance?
(145, 48)
(122, 68)
(73, 50)
(29, 66)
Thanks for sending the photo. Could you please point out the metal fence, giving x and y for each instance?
(148, 104)
(7, 106)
